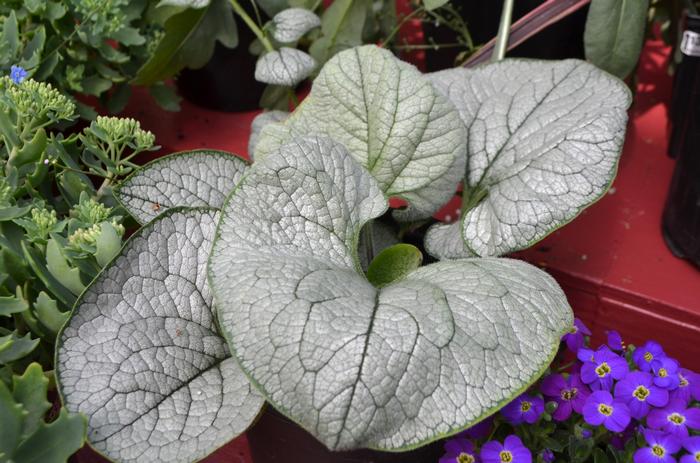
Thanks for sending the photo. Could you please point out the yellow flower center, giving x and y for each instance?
(568, 394)
(697, 456)
(658, 450)
(525, 406)
(683, 383)
(465, 458)
(676, 418)
(605, 409)
(603, 369)
(506, 456)
(663, 373)
(648, 356)
(641, 393)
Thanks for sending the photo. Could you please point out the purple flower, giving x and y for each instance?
(692, 445)
(675, 418)
(638, 391)
(615, 341)
(605, 366)
(524, 409)
(479, 430)
(17, 74)
(511, 451)
(646, 354)
(569, 394)
(577, 338)
(459, 450)
(547, 456)
(600, 408)
(665, 371)
(660, 450)
(688, 386)
(586, 433)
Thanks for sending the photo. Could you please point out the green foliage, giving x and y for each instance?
(188, 41)
(91, 47)
(614, 34)
(57, 230)
(394, 263)
(26, 437)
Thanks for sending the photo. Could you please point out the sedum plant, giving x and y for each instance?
(57, 230)
(295, 266)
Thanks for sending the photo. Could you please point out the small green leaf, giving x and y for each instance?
(10, 34)
(189, 41)
(434, 4)
(129, 36)
(11, 419)
(95, 85)
(108, 243)
(54, 442)
(118, 100)
(394, 263)
(599, 456)
(614, 34)
(29, 390)
(13, 212)
(57, 264)
(10, 305)
(49, 314)
(341, 28)
(31, 151)
(35, 261)
(13, 347)
(166, 97)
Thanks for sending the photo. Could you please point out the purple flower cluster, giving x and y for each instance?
(637, 403)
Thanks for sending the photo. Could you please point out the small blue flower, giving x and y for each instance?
(660, 450)
(601, 369)
(615, 341)
(600, 409)
(675, 418)
(665, 371)
(524, 409)
(577, 338)
(692, 445)
(459, 450)
(646, 354)
(640, 394)
(547, 456)
(17, 74)
(511, 451)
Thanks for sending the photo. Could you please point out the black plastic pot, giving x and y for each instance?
(559, 41)
(226, 82)
(681, 220)
(276, 439)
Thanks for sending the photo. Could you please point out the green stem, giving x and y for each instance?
(499, 50)
(251, 24)
(398, 27)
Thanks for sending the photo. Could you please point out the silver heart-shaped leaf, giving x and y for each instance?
(291, 24)
(544, 138)
(286, 66)
(391, 120)
(141, 357)
(260, 121)
(356, 365)
(200, 178)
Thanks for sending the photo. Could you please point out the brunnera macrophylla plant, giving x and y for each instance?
(329, 320)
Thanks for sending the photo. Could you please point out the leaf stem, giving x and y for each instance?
(499, 50)
(238, 9)
(398, 27)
